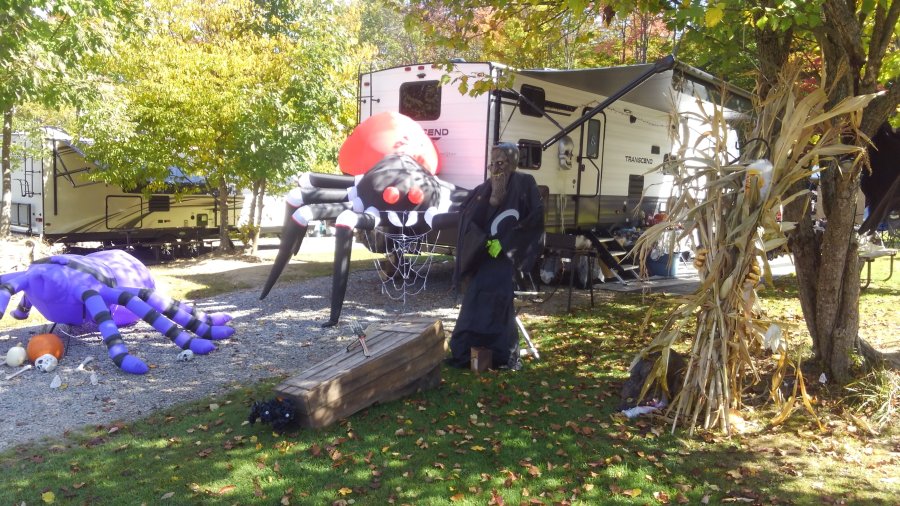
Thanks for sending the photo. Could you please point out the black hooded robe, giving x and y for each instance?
(487, 316)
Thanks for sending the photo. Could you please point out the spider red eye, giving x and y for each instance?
(416, 196)
(391, 195)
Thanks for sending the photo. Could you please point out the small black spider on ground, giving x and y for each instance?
(279, 413)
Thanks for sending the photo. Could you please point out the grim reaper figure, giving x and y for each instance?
(500, 229)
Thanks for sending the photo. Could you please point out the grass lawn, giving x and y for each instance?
(545, 435)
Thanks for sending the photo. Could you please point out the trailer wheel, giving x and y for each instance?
(169, 246)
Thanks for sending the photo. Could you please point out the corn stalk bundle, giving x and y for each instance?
(727, 209)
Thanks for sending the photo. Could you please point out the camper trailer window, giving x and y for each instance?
(530, 154)
(421, 100)
(533, 100)
(593, 139)
(20, 215)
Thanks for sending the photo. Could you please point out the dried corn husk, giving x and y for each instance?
(730, 218)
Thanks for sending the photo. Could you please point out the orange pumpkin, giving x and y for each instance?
(43, 344)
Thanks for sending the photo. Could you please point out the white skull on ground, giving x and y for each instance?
(185, 356)
(45, 363)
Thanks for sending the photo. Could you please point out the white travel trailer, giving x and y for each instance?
(590, 137)
(53, 197)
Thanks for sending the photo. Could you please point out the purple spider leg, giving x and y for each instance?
(167, 327)
(192, 319)
(22, 310)
(10, 284)
(118, 352)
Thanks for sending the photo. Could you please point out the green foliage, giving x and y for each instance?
(532, 35)
(43, 44)
(232, 90)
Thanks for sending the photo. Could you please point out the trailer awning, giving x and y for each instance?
(658, 92)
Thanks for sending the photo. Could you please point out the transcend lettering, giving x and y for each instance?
(638, 159)
(436, 132)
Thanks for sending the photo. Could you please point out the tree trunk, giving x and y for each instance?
(6, 200)
(827, 263)
(225, 244)
(260, 197)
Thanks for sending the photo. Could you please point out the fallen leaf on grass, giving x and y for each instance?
(167, 495)
(48, 497)
(226, 489)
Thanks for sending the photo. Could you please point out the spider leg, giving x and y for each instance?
(22, 310)
(11, 284)
(343, 246)
(167, 327)
(302, 206)
(185, 315)
(118, 352)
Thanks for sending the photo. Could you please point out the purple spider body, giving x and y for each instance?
(110, 288)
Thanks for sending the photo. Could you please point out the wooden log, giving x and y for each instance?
(405, 356)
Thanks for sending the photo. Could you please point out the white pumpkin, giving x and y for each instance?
(16, 356)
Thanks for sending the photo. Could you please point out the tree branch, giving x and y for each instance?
(882, 31)
(840, 15)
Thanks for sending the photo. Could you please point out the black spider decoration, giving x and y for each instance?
(278, 412)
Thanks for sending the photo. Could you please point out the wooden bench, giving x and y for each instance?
(404, 356)
(871, 255)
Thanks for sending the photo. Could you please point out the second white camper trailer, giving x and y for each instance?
(55, 198)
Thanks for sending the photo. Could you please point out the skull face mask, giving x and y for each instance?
(504, 159)
(566, 148)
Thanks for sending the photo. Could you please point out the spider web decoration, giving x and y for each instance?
(406, 263)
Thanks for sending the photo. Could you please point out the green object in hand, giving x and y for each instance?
(493, 247)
